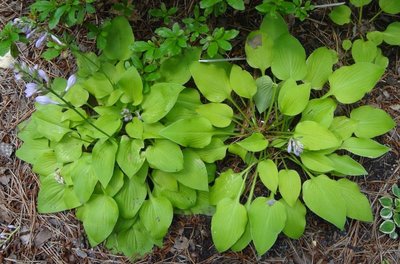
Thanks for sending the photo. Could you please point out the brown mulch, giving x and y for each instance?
(60, 238)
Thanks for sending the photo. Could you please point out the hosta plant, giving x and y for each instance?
(129, 153)
(390, 213)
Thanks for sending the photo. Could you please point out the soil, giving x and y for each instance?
(59, 238)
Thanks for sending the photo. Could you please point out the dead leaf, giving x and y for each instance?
(42, 237)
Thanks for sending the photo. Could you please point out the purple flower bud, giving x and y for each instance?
(56, 40)
(18, 76)
(30, 33)
(41, 40)
(44, 100)
(31, 89)
(289, 146)
(71, 81)
(43, 75)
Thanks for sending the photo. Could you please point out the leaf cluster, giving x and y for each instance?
(390, 213)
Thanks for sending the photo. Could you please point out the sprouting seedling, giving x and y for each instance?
(390, 213)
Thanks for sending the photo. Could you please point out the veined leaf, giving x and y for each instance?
(346, 165)
(293, 98)
(184, 198)
(319, 67)
(254, 143)
(132, 86)
(220, 115)
(216, 150)
(343, 127)
(129, 156)
(268, 173)
(274, 26)
(314, 136)
(391, 34)
(242, 82)
(360, 3)
(258, 50)
(340, 15)
(165, 155)
(156, 215)
(320, 111)
(265, 93)
(227, 185)
(119, 39)
(363, 51)
(364, 147)
(316, 162)
(131, 197)
(103, 160)
(390, 6)
(289, 185)
(295, 219)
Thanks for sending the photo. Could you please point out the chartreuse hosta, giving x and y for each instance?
(136, 155)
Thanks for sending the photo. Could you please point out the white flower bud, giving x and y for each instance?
(7, 61)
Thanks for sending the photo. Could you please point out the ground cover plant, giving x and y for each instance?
(150, 151)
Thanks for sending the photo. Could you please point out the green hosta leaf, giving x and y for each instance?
(289, 185)
(99, 217)
(364, 147)
(386, 213)
(390, 6)
(381, 60)
(103, 160)
(152, 130)
(176, 69)
(258, 50)
(77, 96)
(371, 122)
(293, 98)
(108, 123)
(46, 164)
(83, 177)
(194, 173)
(32, 149)
(254, 143)
(360, 3)
(242, 82)
(264, 96)
(129, 156)
(134, 129)
(156, 215)
(188, 101)
(289, 58)
(346, 165)
(202, 206)
(317, 162)
(165, 155)
(116, 183)
(98, 85)
(363, 51)
(340, 15)
(165, 180)
(244, 240)
(54, 196)
(319, 67)
(314, 136)
(387, 227)
(376, 37)
(228, 223)
(320, 111)
(194, 132)
(268, 173)
(343, 127)
(183, 198)
(48, 123)
(68, 149)
(323, 197)
(159, 101)
(267, 219)
(386, 202)
(132, 86)
(350, 83)
(212, 80)
(216, 150)
(274, 26)
(236, 4)
(346, 44)
(357, 205)
(131, 197)
(227, 185)
(295, 219)
(220, 115)
(119, 39)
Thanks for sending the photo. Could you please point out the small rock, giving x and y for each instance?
(6, 149)
(25, 236)
(395, 107)
(181, 243)
(42, 237)
(80, 253)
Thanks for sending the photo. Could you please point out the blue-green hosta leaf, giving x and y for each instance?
(99, 217)
(183, 198)
(131, 197)
(360, 3)
(212, 80)
(119, 39)
(371, 122)
(293, 98)
(132, 86)
(83, 177)
(216, 150)
(357, 204)
(268, 173)
(317, 161)
(295, 219)
(267, 219)
(227, 185)
(343, 127)
(320, 111)
(242, 82)
(55, 196)
(103, 160)
(159, 101)
(363, 51)
(129, 156)
(265, 93)
(69, 148)
(289, 58)
(194, 173)
(364, 147)
(323, 197)
(254, 143)
(289, 185)
(156, 215)
(258, 50)
(341, 15)
(228, 223)
(346, 165)
(194, 132)
(314, 136)
(350, 83)
(165, 155)
(390, 6)
(220, 115)
(319, 67)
